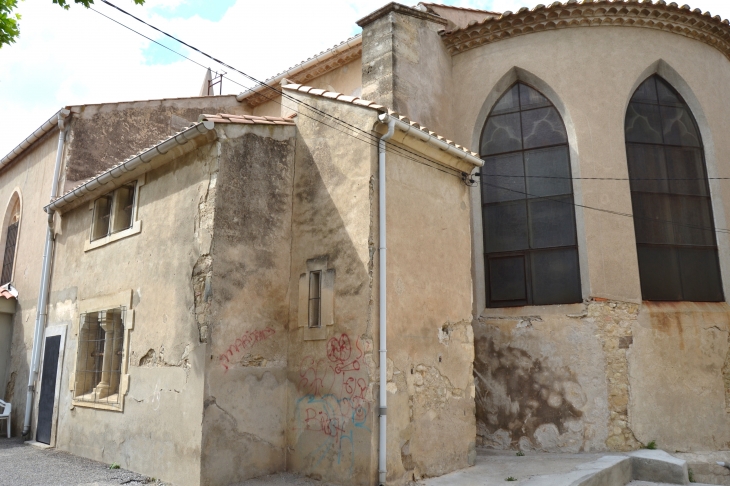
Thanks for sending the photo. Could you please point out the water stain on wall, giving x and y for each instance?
(519, 394)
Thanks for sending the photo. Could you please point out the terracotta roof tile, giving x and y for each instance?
(372, 105)
(247, 119)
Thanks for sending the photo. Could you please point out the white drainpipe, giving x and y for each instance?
(382, 459)
(41, 312)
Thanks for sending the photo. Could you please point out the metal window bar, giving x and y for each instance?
(9, 258)
(100, 357)
(315, 299)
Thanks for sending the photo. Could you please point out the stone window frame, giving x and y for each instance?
(327, 284)
(101, 304)
(15, 198)
(111, 237)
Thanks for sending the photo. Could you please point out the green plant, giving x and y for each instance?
(114, 465)
(511, 478)
(691, 475)
(651, 445)
(520, 453)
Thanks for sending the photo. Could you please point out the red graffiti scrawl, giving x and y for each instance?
(246, 341)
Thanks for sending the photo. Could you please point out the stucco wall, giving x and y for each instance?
(622, 358)
(431, 427)
(247, 286)
(159, 431)
(31, 175)
(332, 393)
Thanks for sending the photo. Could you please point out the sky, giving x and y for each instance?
(77, 56)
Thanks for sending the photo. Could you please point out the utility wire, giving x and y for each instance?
(372, 137)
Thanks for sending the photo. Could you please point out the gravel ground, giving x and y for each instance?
(26, 465)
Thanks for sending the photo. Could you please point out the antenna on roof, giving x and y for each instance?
(210, 81)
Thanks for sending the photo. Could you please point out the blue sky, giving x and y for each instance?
(79, 57)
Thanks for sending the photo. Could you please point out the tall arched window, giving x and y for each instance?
(675, 231)
(530, 244)
(12, 221)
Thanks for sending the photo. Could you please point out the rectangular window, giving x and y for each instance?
(114, 212)
(100, 356)
(315, 299)
(9, 257)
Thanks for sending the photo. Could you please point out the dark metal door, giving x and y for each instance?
(48, 389)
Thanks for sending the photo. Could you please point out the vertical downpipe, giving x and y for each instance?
(41, 310)
(383, 426)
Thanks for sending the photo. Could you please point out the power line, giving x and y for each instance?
(617, 213)
(372, 138)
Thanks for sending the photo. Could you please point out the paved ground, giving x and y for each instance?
(25, 465)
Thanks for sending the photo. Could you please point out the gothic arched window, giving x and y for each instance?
(675, 231)
(12, 222)
(530, 243)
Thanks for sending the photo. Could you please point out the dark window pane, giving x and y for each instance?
(502, 134)
(102, 213)
(505, 227)
(548, 171)
(551, 222)
(652, 218)
(643, 123)
(542, 127)
(503, 171)
(692, 218)
(647, 168)
(529, 98)
(686, 171)
(679, 128)
(700, 272)
(646, 92)
(659, 273)
(555, 277)
(508, 103)
(667, 95)
(507, 279)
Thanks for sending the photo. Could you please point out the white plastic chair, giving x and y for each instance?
(5, 414)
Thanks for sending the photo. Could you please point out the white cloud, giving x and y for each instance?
(77, 56)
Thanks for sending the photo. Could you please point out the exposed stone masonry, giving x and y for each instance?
(614, 320)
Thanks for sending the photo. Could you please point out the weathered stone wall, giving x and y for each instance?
(159, 431)
(406, 67)
(247, 305)
(103, 135)
(332, 394)
(604, 376)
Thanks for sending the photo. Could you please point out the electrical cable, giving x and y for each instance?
(369, 135)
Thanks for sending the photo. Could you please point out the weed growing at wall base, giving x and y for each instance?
(651, 445)
(511, 478)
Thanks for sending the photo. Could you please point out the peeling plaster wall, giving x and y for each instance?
(431, 426)
(332, 372)
(103, 135)
(248, 312)
(32, 175)
(159, 431)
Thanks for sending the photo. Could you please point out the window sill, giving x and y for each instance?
(531, 310)
(98, 406)
(92, 245)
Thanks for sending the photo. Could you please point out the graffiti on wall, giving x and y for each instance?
(333, 402)
(243, 342)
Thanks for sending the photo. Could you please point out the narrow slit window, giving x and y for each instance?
(9, 257)
(315, 299)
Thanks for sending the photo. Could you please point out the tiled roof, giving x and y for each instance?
(8, 291)
(441, 5)
(246, 119)
(370, 104)
(591, 13)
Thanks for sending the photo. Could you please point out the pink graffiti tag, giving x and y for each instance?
(245, 341)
